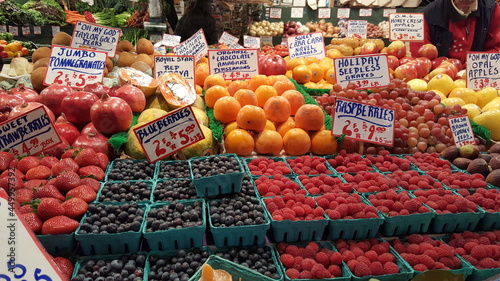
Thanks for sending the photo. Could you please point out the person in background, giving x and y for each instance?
(198, 15)
(458, 26)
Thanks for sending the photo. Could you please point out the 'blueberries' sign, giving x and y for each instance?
(95, 37)
(306, 45)
(366, 71)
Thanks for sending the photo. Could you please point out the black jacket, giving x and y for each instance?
(437, 16)
(190, 24)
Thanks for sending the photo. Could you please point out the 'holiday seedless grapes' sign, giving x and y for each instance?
(195, 45)
(95, 37)
(461, 130)
(365, 71)
(306, 45)
(183, 65)
(233, 64)
(406, 27)
(483, 70)
(363, 122)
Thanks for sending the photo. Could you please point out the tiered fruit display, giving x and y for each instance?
(13, 49)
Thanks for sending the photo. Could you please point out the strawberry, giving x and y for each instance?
(49, 207)
(49, 191)
(87, 157)
(49, 161)
(84, 192)
(103, 160)
(35, 183)
(75, 207)
(24, 195)
(91, 182)
(5, 159)
(70, 153)
(92, 170)
(8, 173)
(59, 225)
(65, 266)
(67, 181)
(39, 172)
(27, 163)
(65, 165)
(15, 182)
(33, 221)
(25, 209)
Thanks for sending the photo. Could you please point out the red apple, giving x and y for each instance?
(368, 48)
(405, 59)
(428, 50)
(423, 66)
(397, 49)
(437, 61)
(406, 72)
(4, 54)
(458, 64)
(393, 62)
(1, 48)
(444, 68)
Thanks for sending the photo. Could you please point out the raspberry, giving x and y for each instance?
(379, 249)
(323, 259)
(479, 252)
(313, 246)
(376, 268)
(293, 250)
(445, 251)
(415, 238)
(281, 247)
(304, 274)
(348, 255)
(410, 258)
(307, 253)
(420, 267)
(362, 270)
(470, 259)
(299, 211)
(488, 263)
(385, 257)
(323, 203)
(363, 259)
(371, 255)
(287, 260)
(447, 261)
(307, 264)
(431, 253)
(323, 274)
(336, 258)
(414, 249)
(391, 268)
(426, 260)
(335, 270)
(293, 273)
(357, 251)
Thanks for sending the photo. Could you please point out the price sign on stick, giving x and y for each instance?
(95, 37)
(55, 29)
(357, 28)
(462, 130)
(183, 65)
(306, 45)
(367, 71)
(483, 70)
(233, 64)
(406, 27)
(169, 134)
(29, 133)
(195, 45)
(170, 40)
(251, 42)
(363, 122)
(75, 67)
(37, 30)
(228, 39)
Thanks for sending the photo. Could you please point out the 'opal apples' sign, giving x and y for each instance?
(95, 37)
(483, 70)
(306, 45)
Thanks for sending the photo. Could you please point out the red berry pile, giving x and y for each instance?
(350, 163)
(294, 207)
(445, 201)
(343, 205)
(267, 167)
(424, 253)
(480, 250)
(279, 185)
(488, 199)
(307, 165)
(323, 184)
(461, 180)
(370, 182)
(393, 203)
(310, 262)
(412, 180)
(385, 162)
(430, 163)
(368, 257)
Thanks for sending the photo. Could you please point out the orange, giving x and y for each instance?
(326, 66)
(199, 90)
(236, 85)
(268, 142)
(295, 98)
(277, 109)
(212, 80)
(311, 85)
(251, 117)
(240, 142)
(229, 127)
(284, 127)
(302, 74)
(296, 142)
(214, 93)
(334, 53)
(295, 62)
(289, 74)
(310, 60)
(226, 109)
(323, 143)
(202, 60)
(330, 76)
(256, 81)
(270, 126)
(263, 93)
(271, 79)
(283, 85)
(317, 72)
(246, 96)
(200, 73)
(309, 117)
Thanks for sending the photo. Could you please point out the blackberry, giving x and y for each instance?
(125, 191)
(174, 215)
(215, 165)
(258, 258)
(126, 267)
(236, 212)
(179, 267)
(112, 219)
(170, 190)
(174, 170)
(131, 170)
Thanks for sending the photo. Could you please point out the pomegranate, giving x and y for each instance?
(66, 130)
(113, 89)
(7, 102)
(272, 65)
(29, 106)
(89, 128)
(132, 95)
(53, 95)
(97, 88)
(96, 141)
(57, 150)
(111, 115)
(28, 94)
(76, 106)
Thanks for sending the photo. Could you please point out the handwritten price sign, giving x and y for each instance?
(369, 71)
(307, 45)
(483, 70)
(233, 64)
(228, 39)
(195, 45)
(95, 37)
(363, 122)
(75, 67)
(462, 130)
(357, 28)
(169, 134)
(406, 27)
(29, 133)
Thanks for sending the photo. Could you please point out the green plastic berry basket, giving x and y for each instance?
(112, 165)
(164, 192)
(275, 159)
(168, 254)
(60, 243)
(149, 183)
(292, 178)
(244, 235)
(158, 168)
(465, 269)
(455, 222)
(176, 238)
(490, 221)
(482, 274)
(80, 262)
(219, 184)
(405, 272)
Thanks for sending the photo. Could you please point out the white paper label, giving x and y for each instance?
(37, 30)
(343, 13)
(483, 70)
(299, 3)
(155, 38)
(3, 28)
(14, 30)
(306, 45)
(324, 13)
(195, 45)
(297, 12)
(74, 67)
(357, 28)
(275, 13)
(183, 65)
(162, 50)
(461, 130)
(366, 71)
(251, 42)
(233, 64)
(170, 40)
(386, 12)
(365, 12)
(26, 30)
(95, 37)
(266, 40)
(406, 27)
(55, 29)
(228, 39)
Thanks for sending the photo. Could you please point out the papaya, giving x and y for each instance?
(176, 90)
(146, 83)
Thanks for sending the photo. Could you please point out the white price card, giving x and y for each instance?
(343, 13)
(406, 27)
(155, 38)
(170, 40)
(170, 133)
(365, 71)
(483, 70)
(55, 29)
(357, 28)
(75, 67)
(251, 42)
(183, 65)
(228, 39)
(95, 37)
(162, 50)
(266, 40)
(365, 12)
(195, 45)
(324, 13)
(233, 64)
(363, 122)
(299, 3)
(386, 12)
(28, 134)
(297, 13)
(22, 256)
(37, 30)
(235, 46)
(461, 130)
(26, 30)
(3, 28)
(14, 30)
(275, 13)
(306, 45)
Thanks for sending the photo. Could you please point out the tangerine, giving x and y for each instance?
(270, 126)
(283, 85)
(251, 117)
(323, 143)
(229, 127)
(246, 96)
(277, 109)
(296, 142)
(295, 98)
(226, 109)
(302, 74)
(309, 117)
(212, 80)
(256, 81)
(199, 90)
(284, 127)
(317, 72)
(239, 142)
(291, 64)
(200, 73)
(214, 93)
(268, 142)
(236, 85)
(263, 93)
